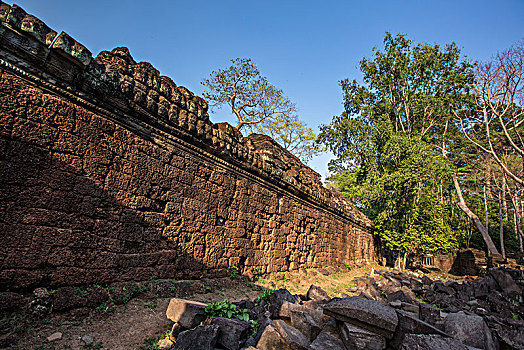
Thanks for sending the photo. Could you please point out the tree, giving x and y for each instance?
(389, 138)
(496, 127)
(259, 106)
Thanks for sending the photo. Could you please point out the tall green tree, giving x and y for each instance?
(388, 142)
(259, 106)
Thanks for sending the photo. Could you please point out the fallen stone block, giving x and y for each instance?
(431, 342)
(292, 336)
(271, 340)
(201, 337)
(276, 300)
(472, 330)
(506, 283)
(232, 332)
(356, 338)
(317, 293)
(428, 313)
(305, 323)
(328, 338)
(188, 314)
(367, 314)
(408, 324)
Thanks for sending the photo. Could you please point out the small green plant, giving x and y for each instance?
(155, 280)
(152, 305)
(233, 272)
(265, 296)
(515, 316)
(81, 292)
(204, 285)
(226, 309)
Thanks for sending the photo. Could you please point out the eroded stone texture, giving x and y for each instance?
(110, 171)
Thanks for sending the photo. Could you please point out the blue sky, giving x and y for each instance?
(303, 47)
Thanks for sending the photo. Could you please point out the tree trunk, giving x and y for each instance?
(462, 205)
(504, 199)
(501, 228)
(515, 224)
(486, 213)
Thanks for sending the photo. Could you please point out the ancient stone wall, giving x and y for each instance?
(109, 171)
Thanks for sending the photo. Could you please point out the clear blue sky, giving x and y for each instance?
(304, 47)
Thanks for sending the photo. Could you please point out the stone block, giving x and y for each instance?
(367, 314)
(188, 314)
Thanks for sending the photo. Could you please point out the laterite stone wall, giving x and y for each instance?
(109, 171)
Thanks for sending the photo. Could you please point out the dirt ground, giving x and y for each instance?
(141, 322)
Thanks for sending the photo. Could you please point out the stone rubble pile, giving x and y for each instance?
(393, 310)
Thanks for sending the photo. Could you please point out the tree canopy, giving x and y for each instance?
(259, 106)
(388, 141)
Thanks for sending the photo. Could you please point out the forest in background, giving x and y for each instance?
(430, 147)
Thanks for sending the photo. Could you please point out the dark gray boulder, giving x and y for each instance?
(187, 313)
(328, 338)
(317, 293)
(276, 300)
(232, 332)
(472, 330)
(356, 338)
(408, 324)
(292, 336)
(363, 313)
(431, 342)
(201, 338)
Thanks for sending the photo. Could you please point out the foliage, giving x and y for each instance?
(226, 309)
(259, 106)
(233, 272)
(388, 141)
(265, 296)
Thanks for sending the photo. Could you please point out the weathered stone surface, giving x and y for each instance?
(113, 173)
(277, 298)
(359, 339)
(292, 337)
(367, 314)
(408, 324)
(305, 323)
(201, 337)
(328, 338)
(231, 332)
(506, 282)
(271, 340)
(428, 313)
(472, 330)
(165, 344)
(317, 293)
(54, 336)
(186, 313)
(431, 342)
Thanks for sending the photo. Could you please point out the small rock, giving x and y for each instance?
(165, 344)
(54, 336)
(87, 339)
